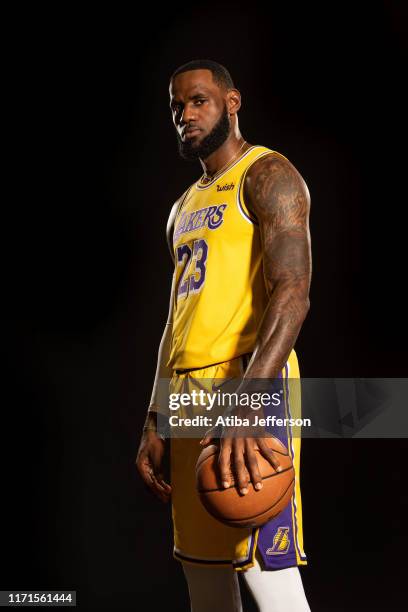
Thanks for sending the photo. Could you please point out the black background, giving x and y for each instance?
(88, 278)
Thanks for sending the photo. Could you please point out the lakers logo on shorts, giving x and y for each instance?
(281, 542)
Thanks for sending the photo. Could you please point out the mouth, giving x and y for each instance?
(191, 132)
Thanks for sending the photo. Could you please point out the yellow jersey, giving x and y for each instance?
(219, 292)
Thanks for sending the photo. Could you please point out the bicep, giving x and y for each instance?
(280, 199)
(170, 230)
(171, 304)
(169, 236)
(287, 258)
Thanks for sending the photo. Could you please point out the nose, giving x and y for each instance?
(188, 114)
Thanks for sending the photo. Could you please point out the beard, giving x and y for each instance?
(210, 143)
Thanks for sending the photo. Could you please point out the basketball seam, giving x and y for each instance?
(254, 516)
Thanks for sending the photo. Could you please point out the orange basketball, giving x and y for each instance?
(256, 507)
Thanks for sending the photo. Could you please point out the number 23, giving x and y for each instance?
(199, 253)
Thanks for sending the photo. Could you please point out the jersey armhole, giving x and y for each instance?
(242, 207)
(182, 201)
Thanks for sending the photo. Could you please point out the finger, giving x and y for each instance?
(239, 466)
(162, 483)
(211, 434)
(156, 458)
(153, 481)
(165, 486)
(152, 486)
(269, 454)
(252, 465)
(159, 491)
(161, 496)
(224, 463)
(156, 466)
(207, 438)
(160, 487)
(145, 470)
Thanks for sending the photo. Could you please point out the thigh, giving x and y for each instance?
(197, 534)
(212, 588)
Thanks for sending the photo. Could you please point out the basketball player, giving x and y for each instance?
(240, 242)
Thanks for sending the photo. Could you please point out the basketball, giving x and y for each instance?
(256, 507)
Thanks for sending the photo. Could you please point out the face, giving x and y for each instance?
(200, 113)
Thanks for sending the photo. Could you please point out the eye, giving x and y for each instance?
(200, 101)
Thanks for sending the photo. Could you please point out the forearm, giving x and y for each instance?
(163, 373)
(279, 198)
(162, 370)
(280, 327)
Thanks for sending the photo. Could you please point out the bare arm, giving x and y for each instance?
(151, 449)
(276, 193)
(162, 370)
(278, 196)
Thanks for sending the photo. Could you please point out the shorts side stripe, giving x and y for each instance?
(300, 555)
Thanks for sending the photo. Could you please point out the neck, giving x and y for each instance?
(233, 146)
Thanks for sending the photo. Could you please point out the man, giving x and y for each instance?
(240, 241)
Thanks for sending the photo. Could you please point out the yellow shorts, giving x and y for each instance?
(200, 538)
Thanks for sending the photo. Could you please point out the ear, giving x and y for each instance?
(233, 100)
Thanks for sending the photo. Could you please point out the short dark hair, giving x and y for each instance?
(221, 76)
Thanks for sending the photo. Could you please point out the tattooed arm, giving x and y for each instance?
(278, 196)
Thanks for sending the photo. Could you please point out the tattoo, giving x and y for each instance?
(278, 196)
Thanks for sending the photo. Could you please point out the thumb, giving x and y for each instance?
(209, 435)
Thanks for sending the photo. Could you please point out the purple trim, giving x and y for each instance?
(241, 208)
(281, 563)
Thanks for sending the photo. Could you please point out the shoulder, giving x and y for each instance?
(173, 215)
(272, 179)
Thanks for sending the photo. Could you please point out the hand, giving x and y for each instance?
(149, 461)
(237, 455)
